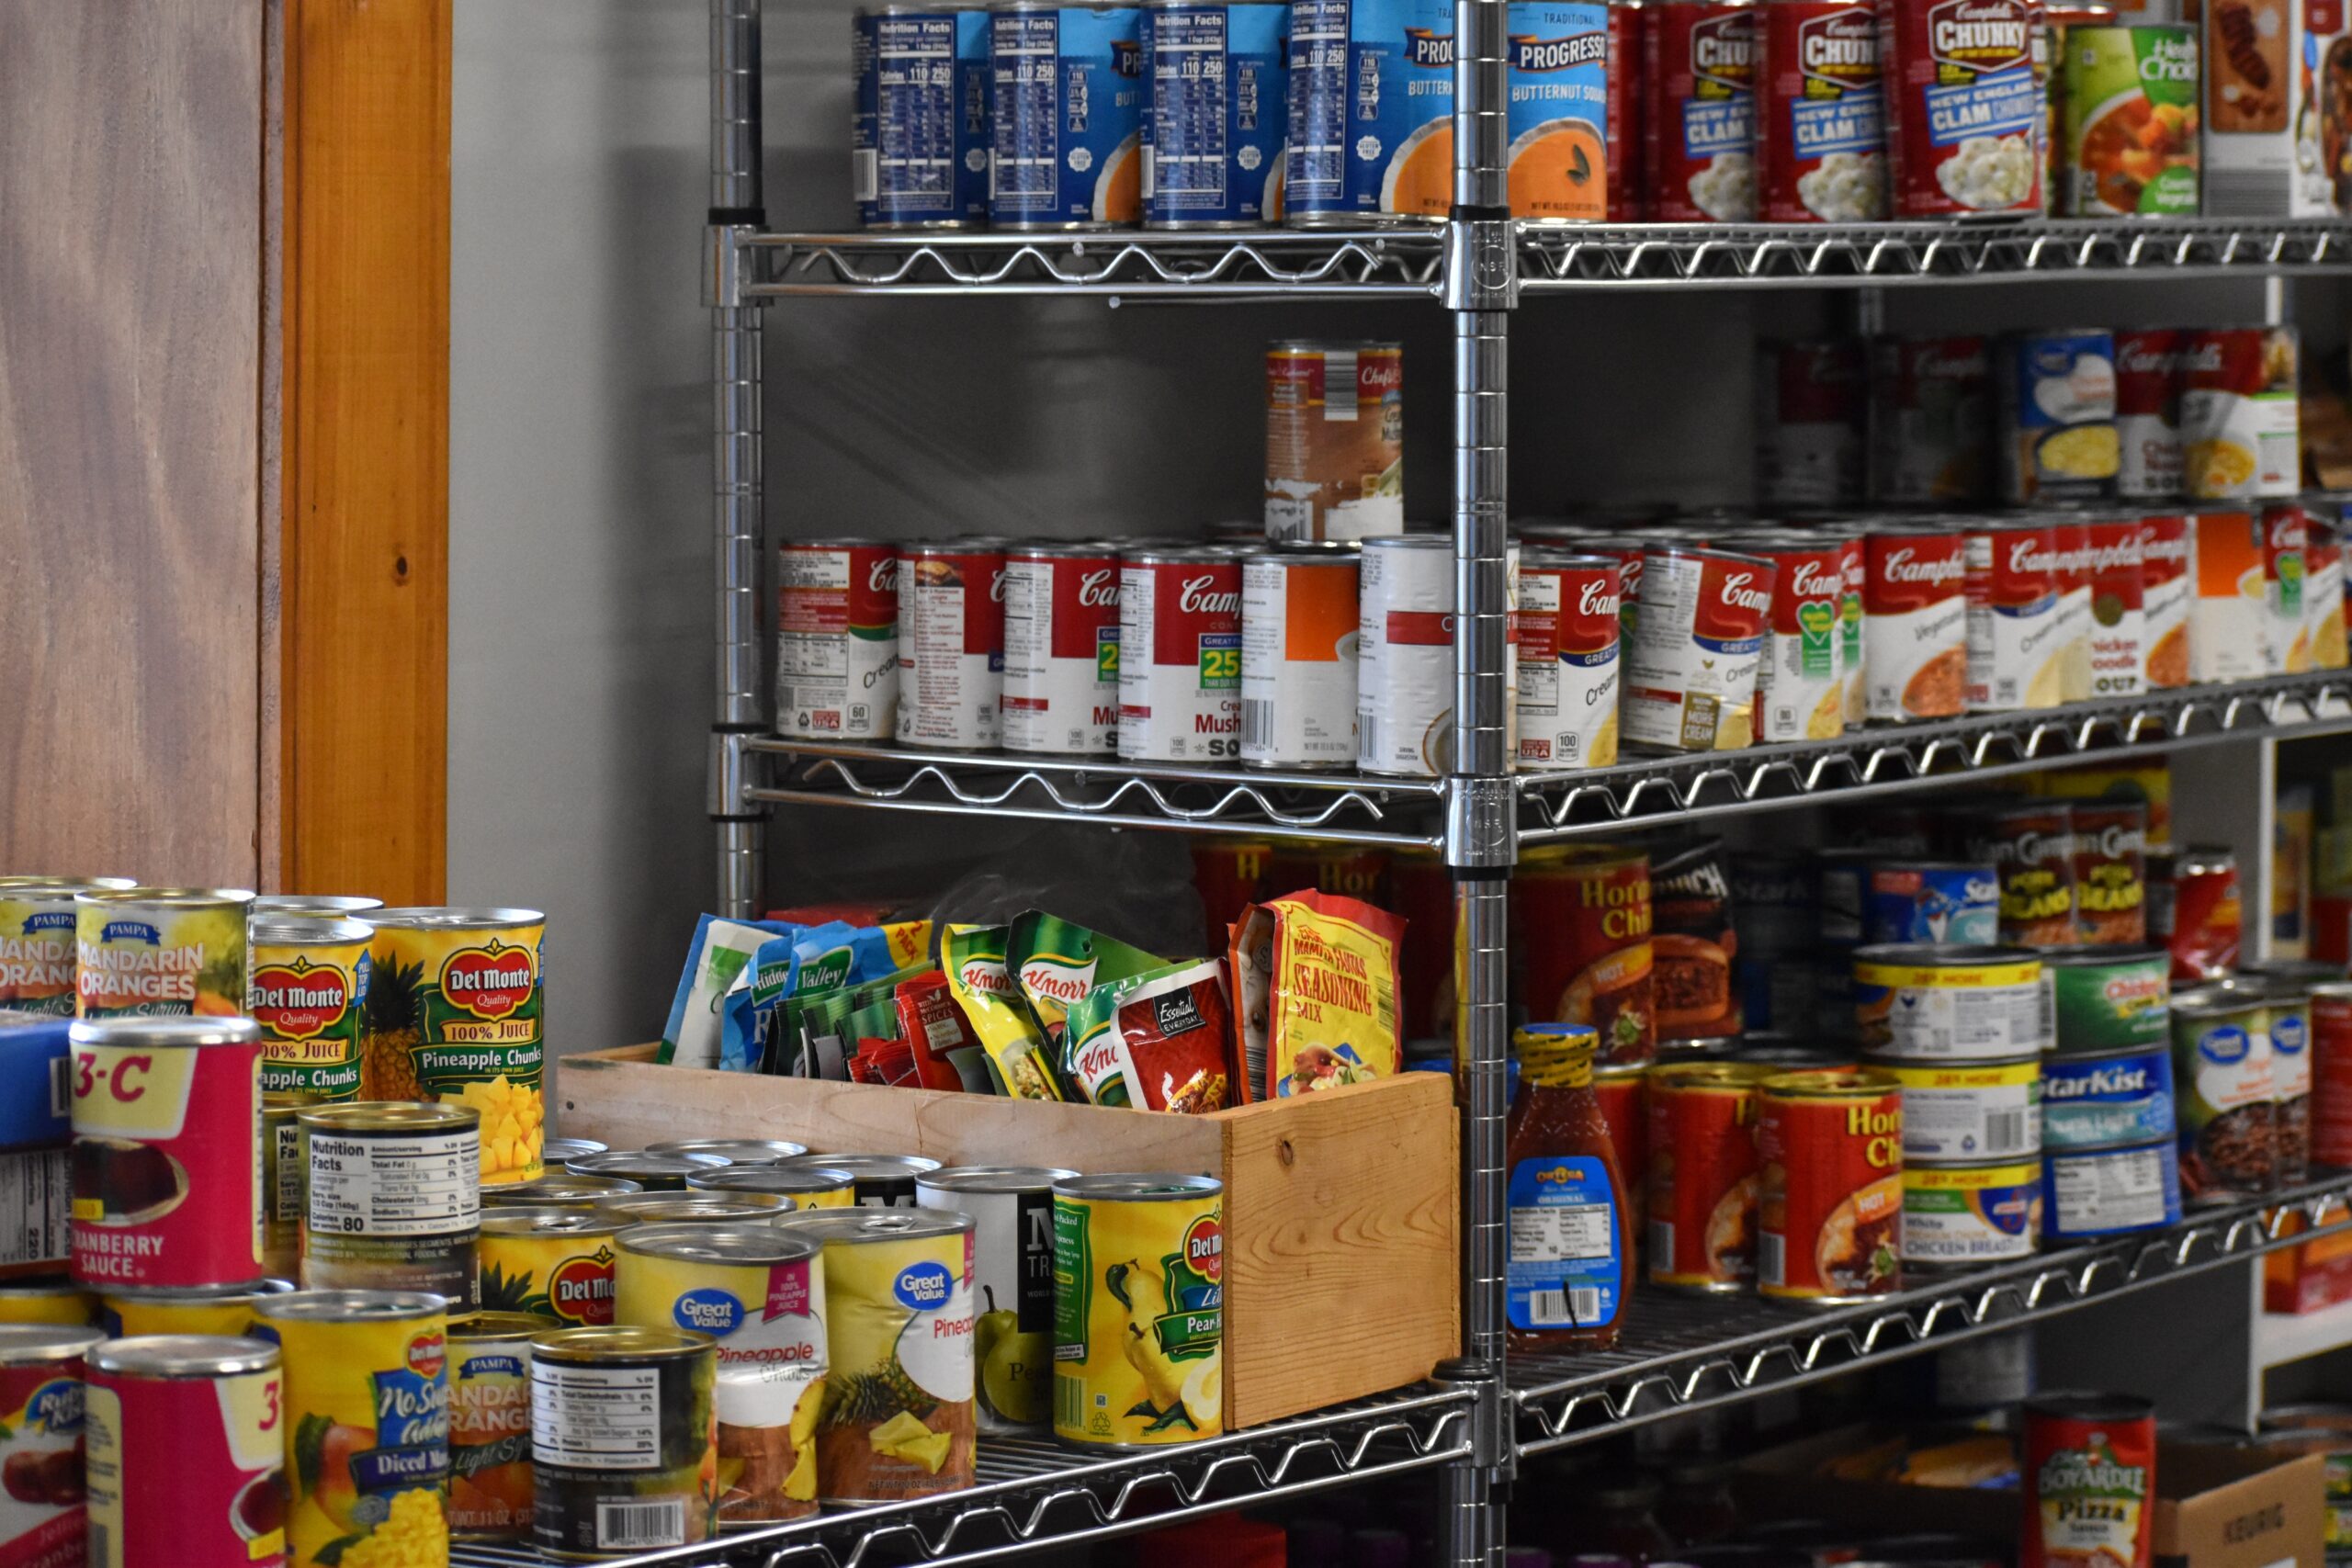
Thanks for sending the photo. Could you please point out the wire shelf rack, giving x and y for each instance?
(1683, 1353)
(1034, 1493)
(1272, 264)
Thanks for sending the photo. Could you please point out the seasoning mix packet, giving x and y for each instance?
(1160, 1040)
(1316, 982)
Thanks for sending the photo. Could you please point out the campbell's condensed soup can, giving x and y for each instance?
(1180, 646)
(1811, 409)
(1298, 656)
(1335, 440)
(2324, 593)
(1801, 676)
(1698, 636)
(1915, 623)
(951, 643)
(1853, 647)
(1568, 660)
(1699, 59)
(1061, 649)
(1931, 419)
(1405, 671)
(2147, 412)
(1966, 108)
(2166, 540)
(2017, 654)
(2240, 420)
(2118, 608)
(2071, 536)
(837, 639)
(1821, 121)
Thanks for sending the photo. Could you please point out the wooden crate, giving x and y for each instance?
(1343, 1261)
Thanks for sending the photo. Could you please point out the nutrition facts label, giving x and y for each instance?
(1185, 163)
(1024, 51)
(915, 115)
(395, 1186)
(596, 1417)
(35, 1188)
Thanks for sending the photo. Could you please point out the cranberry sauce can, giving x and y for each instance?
(951, 643)
(186, 1447)
(1820, 112)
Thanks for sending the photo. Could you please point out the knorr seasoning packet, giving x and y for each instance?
(1316, 979)
(1057, 962)
(1161, 1041)
(973, 958)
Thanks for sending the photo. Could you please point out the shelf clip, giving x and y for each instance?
(728, 264)
(1491, 1446)
(1481, 823)
(1481, 264)
(732, 762)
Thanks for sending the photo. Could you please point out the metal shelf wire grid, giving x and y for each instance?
(1278, 262)
(1684, 1353)
(1034, 1493)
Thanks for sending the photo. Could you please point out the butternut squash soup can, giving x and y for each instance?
(1829, 1224)
(1138, 1309)
(194, 1427)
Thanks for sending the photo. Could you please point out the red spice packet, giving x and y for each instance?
(1160, 1040)
(947, 1055)
(1316, 986)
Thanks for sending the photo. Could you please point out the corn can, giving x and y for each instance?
(395, 1203)
(454, 1011)
(558, 1190)
(489, 1424)
(799, 1186)
(651, 1173)
(365, 1423)
(553, 1263)
(308, 990)
(37, 967)
(43, 1521)
(899, 1419)
(1702, 1178)
(228, 1310)
(1013, 1277)
(194, 1428)
(760, 1293)
(160, 952)
(1138, 1309)
(1829, 1206)
(624, 1441)
(56, 1302)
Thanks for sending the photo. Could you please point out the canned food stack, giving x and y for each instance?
(2110, 1104)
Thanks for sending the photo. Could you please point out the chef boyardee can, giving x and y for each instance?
(394, 1198)
(881, 1182)
(760, 1292)
(651, 1172)
(560, 1190)
(1931, 1003)
(2117, 1098)
(624, 1441)
(187, 1452)
(1958, 1216)
(1217, 112)
(1068, 98)
(160, 952)
(307, 990)
(489, 1424)
(553, 1263)
(920, 141)
(2105, 999)
(2088, 1195)
(1012, 1280)
(1138, 1260)
(2227, 1115)
(799, 1186)
(1970, 1111)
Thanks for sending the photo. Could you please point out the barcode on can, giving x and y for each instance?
(630, 1525)
(2005, 1132)
(1772, 1258)
(1340, 385)
(1257, 722)
(865, 174)
(1581, 1304)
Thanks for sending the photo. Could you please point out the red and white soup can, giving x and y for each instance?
(1967, 109)
(1698, 636)
(1915, 623)
(1405, 656)
(1628, 187)
(2147, 412)
(951, 645)
(2017, 654)
(1061, 649)
(1820, 112)
(2166, 588)
(1700, 81)
(1931, 420)
(2119, 614)
(1180, 655)
(1569, 660)
(1298, 656)
(837, 639)
(2073, 537)
(1801, 674)
(1812, 411)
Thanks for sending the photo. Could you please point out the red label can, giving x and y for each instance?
(1931, 420)
(2119, 598)
(2239, 417)
(1420, 890)
(1811, 409)
(1967, 110)
(42, 1523)
(2165, 590)
(2090, 1481)
(1628, 182)
(1061, 649)
(1801, 677)
(837, 639)
(2072, 537)
(1230, 876)
(1587, 956)
(2331, 1047)
(168, 1162)
(1623, 1091)
(1829, 1202)
(951, 645)
(1702, 1178)
(2208, 918)
(2030, 847)
(1915, 623)
(1180, 656)
(1569, 622)
(186, 1454)
(1701, 135)
(2015, 655)
(1691, 674)
(2147, 412)
(1821, 131)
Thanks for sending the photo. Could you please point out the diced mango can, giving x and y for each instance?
(1138, 1309)
(454, 1014)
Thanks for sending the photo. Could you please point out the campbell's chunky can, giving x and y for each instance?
(1569, 660)
(1698, 636)
(2240, 422)
(2147, 412)
(187, 1437)
(1216, 112)
(1915, 623)
(1967, 113)
(1558, 111)
(2166, 588)
(1335, 440)
(1810, 406)
(837, 639)
(951, 643)
(1371, 112)
(2016, 650)
(1061, 648)
(920, 130)
(1820, 112)
(1405, 656)
(1298, 657)
(1066, 115)
(1699, 67)
(1179, 666)
(2118, 607)
(1931, 419)
(1801, 675)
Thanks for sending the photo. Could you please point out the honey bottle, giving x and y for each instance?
(1571, 1237)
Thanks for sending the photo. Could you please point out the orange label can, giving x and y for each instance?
(1829, 1194)
(1589, 958)
(1703, 1174)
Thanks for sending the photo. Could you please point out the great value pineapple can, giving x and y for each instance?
(554, 1262)
(1138, 1309)
(307, 989)
(898, 1420)
(160, 952)
(455, 1009)
(760, 1293)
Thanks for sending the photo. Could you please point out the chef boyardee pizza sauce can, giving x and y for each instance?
(2090, 1480)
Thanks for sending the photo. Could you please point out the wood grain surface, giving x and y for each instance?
(130, 255)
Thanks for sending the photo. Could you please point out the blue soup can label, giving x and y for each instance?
(1919, 902)
(1559, 110)
(2096, 1102)
(920, 136)
(2059, 439)
(1371, 111)
(2103, 1192)
(1218, 113)
(1068, 93)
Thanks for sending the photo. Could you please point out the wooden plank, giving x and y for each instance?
(130, 454)
(363, 644)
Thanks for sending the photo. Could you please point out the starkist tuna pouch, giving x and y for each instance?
(1317, 980)
(974, 960)
(1057, 962)
(1161, 1041)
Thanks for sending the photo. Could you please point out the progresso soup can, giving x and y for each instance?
(1066, 115)
(919, 139)
(1371, 112)
(1217, 112)
(1558, 124)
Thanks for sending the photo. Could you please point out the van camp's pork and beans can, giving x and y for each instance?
(1180, 665)
(1915, 623)
(2111, 873)
(2032, 846)
(187, 1438)
(160, 952)
(1801, 673)
(2015, 655)
(920, 132)
(394, 1198)
(1298, 657)
(1061, 648)
(1702, 1189)
(1967, 112)
(837, 639)
(1405, 655)
(1700, 72)
(1335, 438)
(1821, 120)
(951, 643)
(1698, 637)
(1066, 115)
(307, 990)
(167, 1166)
(1372, 112)
(1217, 113)
(1829, 1209)
(1569, 662)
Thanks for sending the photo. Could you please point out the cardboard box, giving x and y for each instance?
(2311, 1276)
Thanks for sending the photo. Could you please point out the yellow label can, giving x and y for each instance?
(160, 952)
(228, 1310)
(489, 1424)
(1138, 1309)
(553, 1262)
(58, 1302)
(804, 1186)
(307, 989)
(455, 1009)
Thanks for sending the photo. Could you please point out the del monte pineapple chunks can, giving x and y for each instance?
(160, 952)
(549, 1262)
(307, 990)
(1138, 1309)
(455, 1007)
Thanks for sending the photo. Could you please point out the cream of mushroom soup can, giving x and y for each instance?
(951, 643)
(1570, 660)
(1298, 657)
(837, 639)
(1061, 649)
(1698, 637)
(1180, 645)
(1405, 655)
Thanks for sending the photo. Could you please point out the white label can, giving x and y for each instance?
(1698, 636)
(1061, 649)
(1570, 625)
(951, 643)
(1298, 657)
(1405, 673)
(837, 639)
(1180, 667)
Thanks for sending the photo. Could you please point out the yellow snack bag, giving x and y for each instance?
(1316, 982)
(973, 957)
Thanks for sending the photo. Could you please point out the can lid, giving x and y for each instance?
(452, 918)
(560, 1189)
(314, 903)
(1141, 1187)
(1156, 555)
(197, 1295)
(719, 1243)
(2216, 997)
(1832, 1083)
(570, 1149)
(734, 1151)
(2102, 957)
(176, 898)
(26, 1344)
(2084, 1406)
(1330, 345)
(522, 1220)
(965, 545)
(1942, 954)
(164, 1032)
(183, 1356)
(994, 1179)
(861, 1167)
(1743, 1076)
(1062, 550)
(46, 887)
(678, 1208)
(390, 1116)
(494, 1326)
(295, 928)
(1558, 560)
(857, 1225)
(350, 1306)
(638, 1163)
(2200, 860)
(785, 1180)
(2308, 970)
(618, 1342)
(1302, 552)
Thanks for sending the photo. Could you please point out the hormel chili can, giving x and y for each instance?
(837, 639)
(1699, 133)
(1405, 656)
(1821, 129)
(1829, 1204)
(1931, 419)
(1298, 657)
(1628, 184)
(2165, 589)
(2147, 412)
(1915, 623)
(951, 643)
(1061, 648)
(1702, 1189)
(1691, 676)
(2286, 539)
(1810, 414)
(1179, 666)
(2015, 655)
(2072, 537)
(1967, 112)
(2119, 618)
(1801, 677)
(1568, 660)
(188, 1441)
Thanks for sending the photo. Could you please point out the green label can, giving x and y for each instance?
(2131, 121)
(307, 985)
(2107, 998)
(1138, 1309)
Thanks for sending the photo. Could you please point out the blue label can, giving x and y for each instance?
(1068, 91)
(920, 136)
(1908, 901)
(1371, 112)
(2059, 439)
(1559, 110)
(2091, 1193)
(1218, 113)
(2099, 1102)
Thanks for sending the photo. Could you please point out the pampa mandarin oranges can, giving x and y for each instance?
(160, 952)
(490, 1482)
(37, 967)
(455, 1014)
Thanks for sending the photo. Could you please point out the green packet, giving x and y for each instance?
(974, 958)
(1158, 1041)
(1055, 963)
(816, 1029)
